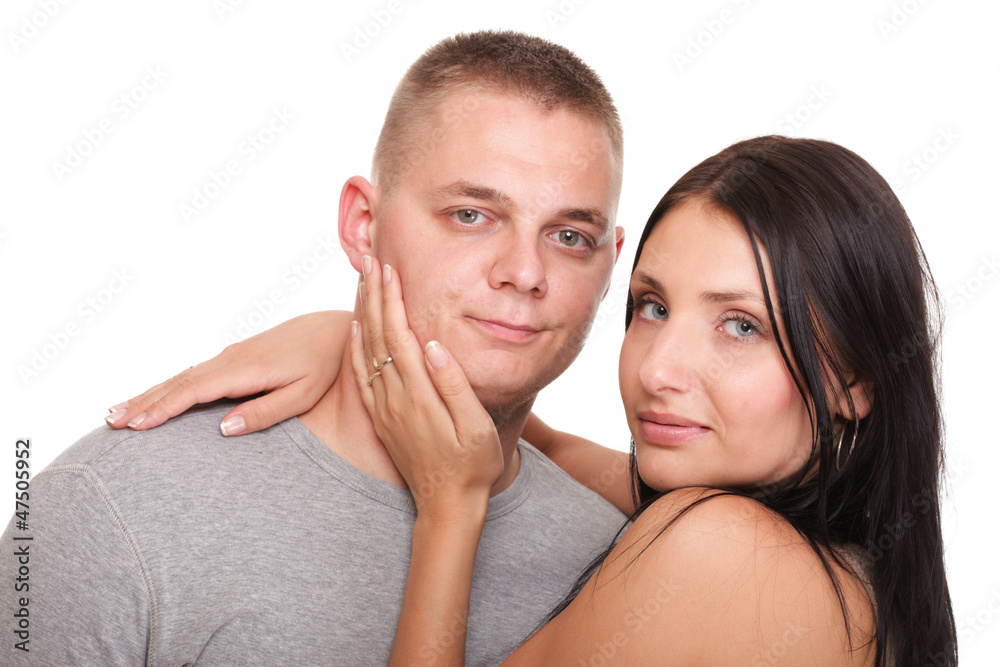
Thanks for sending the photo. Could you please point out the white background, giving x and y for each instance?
(887, 79)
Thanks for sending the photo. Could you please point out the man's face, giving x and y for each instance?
(502, 233)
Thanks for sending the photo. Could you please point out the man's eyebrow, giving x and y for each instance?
(732, 295)
(594, 216)
(462, 188)
(474, 191)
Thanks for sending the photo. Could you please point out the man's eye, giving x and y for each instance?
(468, 216)
(571, 238)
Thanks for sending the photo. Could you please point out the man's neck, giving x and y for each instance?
(341, 422)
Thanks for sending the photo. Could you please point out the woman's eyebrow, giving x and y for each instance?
(648, 280)
(710, 296)
(730, 295)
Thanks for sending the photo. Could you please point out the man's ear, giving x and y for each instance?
(619, 241)
(357, 202)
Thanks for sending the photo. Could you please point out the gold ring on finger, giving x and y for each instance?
(373, 376)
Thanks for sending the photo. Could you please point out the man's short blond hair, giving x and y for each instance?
(507, 62)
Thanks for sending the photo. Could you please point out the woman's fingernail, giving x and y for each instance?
(233, 426)
(386, 274)
(138, 420)
(115, 415)
(435, 355)
(366, 265)
(120, 406)
(354, 328)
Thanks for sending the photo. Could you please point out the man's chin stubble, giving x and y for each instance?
(517, 408)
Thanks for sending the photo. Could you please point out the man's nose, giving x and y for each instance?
(519, 263)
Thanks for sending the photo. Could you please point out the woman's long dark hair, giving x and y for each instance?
(856, 296)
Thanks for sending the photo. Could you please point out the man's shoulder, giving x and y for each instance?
(557, 530)
(555, 488)
(192, 438)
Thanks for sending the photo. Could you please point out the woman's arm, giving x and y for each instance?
(295, 362)
(434, 617)
(602, 470)
(446, 448)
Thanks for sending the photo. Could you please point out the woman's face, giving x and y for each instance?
(708, 397)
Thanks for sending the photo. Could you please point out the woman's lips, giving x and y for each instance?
(667, 430)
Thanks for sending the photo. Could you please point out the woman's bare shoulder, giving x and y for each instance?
(729, 581)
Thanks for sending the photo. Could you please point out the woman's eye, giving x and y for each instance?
(468, 216)
(652, 310)
(739, 328)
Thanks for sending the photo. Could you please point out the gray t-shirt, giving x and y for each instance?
(177, 546)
